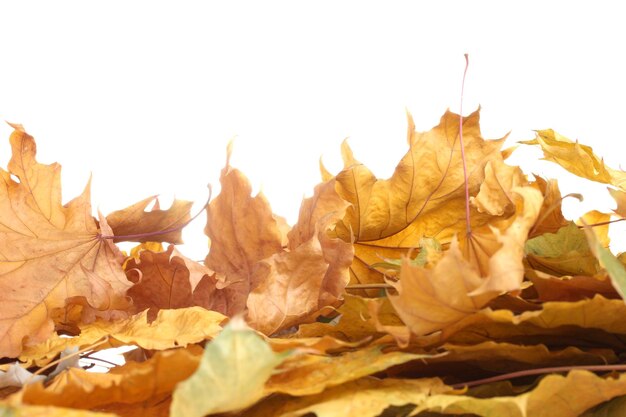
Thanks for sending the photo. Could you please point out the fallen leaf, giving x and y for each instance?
(463, 363)
(163, 280)
(552, 397)
(550, 216)
(431, 299)
(42, 411)
(611, 408)
(312, 374)
(366, 397)
(296, 285)
(565, 252)
(231, 375)
(612, 265)
(243, 231)
(589, 320)
(50, 253)
(568, 288)
(170, 328)
(495, 196)
(131, 383)
(354, 323)
(576, 158)
(423, 198)
(620, 198)
(136, 224)
(16, 376)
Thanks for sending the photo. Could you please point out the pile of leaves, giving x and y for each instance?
(388, 297)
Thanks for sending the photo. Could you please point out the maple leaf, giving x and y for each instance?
(432, 299)
(355, 322)
(548, 287)
(565, 252)
(134, 224)
(576, 158)
(164, 280)
(551, 397)
(50, 255)
(312, 374)
(295, 285)
(231, 374)
(615, 269)
(169, 329)
(620, 199)
(423, 198)
(550, 217)
(366, 397)
(131, 383)
(592, 320)
(242, 231)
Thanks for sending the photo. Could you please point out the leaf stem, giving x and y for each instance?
(467, 198)
(91, 347)
(539, 371)
(601, 223)
(368, 287)
(161, 232)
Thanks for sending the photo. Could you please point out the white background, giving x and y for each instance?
(146, 94)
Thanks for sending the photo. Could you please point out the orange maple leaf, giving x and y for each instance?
(50, 255)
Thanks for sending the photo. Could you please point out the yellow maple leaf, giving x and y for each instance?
(169, 329)
(576, 158)
(425, 195)
(429, 300)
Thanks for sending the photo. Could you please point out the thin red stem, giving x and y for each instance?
(539, 371)
(467, 197)
(601, 223)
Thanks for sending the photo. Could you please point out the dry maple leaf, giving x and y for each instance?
(164, 280)
(550, 217)
(243, 231)
(576, 158)
(134, 224)
(131, 383)
(50, 254)
(278, 287)
(429, 300)
(295, 285)
(424, 197)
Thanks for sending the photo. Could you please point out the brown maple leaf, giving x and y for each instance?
(295, 285)
(50, 255)
(162, 280)
(243, 231)
(134, 224)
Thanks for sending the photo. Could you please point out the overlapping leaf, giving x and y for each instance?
(424, 196)
(429, 300)
(576, 158)
(138, 225)
(297, 284)
(50, 255)
(169, 329)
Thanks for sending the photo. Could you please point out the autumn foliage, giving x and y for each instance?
(377, 302)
